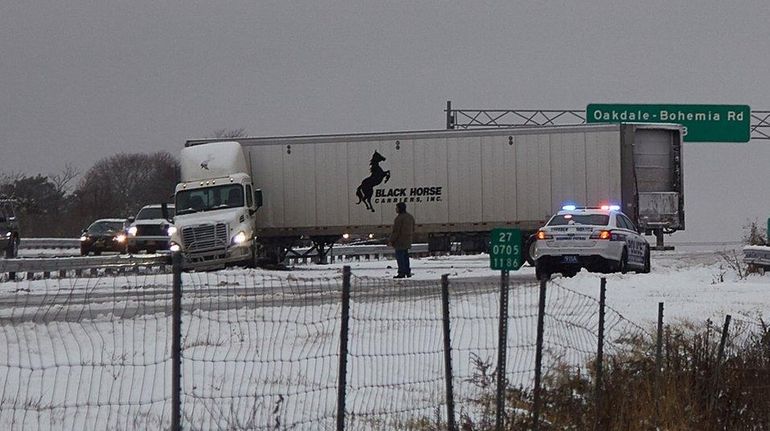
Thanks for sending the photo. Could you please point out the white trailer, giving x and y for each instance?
(457, 184)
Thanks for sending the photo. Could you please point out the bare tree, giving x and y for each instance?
(121, 184)
(226, 134)
(63, 179)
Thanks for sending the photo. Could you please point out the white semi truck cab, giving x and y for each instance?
(215, 207)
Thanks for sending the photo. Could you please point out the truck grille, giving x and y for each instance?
(205, 237)
(151, 230)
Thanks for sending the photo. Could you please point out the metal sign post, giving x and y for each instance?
(505, 255)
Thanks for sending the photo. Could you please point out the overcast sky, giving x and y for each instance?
(83, 80)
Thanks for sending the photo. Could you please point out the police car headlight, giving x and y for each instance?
(132, 230)
(239, 238)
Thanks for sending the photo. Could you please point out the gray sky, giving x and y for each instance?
(83, 80)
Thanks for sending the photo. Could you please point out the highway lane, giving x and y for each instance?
(74, 304)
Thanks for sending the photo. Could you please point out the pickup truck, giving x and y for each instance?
(150, 229)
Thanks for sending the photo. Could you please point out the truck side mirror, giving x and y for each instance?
(258, 198)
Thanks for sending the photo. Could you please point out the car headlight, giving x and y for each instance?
(171, 230)
(8, 234)
(239, 238)
(132, 231)
(174, 247)
(120, 238)
(83, 238)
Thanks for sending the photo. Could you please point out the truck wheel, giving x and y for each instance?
(252, 261)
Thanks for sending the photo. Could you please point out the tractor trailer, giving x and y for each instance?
(249, 199)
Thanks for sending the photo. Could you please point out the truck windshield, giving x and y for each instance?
(210, 198)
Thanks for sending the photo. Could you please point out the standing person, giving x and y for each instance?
(401, 239)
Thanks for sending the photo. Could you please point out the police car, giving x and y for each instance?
(599, 239)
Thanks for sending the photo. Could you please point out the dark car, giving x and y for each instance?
(9, 229)
(107, 234)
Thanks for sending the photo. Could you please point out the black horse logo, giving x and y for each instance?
(366, 189)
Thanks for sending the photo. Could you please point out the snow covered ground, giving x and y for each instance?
(260, 348)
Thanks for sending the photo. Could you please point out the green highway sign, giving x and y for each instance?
(703, 123)
(505, 249)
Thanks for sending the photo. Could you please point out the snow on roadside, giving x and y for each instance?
(120, 365)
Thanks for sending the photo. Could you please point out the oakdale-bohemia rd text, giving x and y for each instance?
(664, 116)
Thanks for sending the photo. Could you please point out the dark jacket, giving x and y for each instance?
(403, 230)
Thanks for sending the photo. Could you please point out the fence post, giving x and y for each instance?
(658, 365)
(450, 402)
(343, 370)
(176, 343)
(720, 356)
(502, 350)
(600, 355)
(539, 357)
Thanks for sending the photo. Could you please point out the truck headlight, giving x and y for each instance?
(120, 238)
(132, 230)
(239, 238)
(174, 247)
(171, 230)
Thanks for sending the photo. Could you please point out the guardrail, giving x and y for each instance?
(36, 243)
(757, 255)
(64, 266)
(345, 253)
(76, 265)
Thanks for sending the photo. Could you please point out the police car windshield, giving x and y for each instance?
(589, 219)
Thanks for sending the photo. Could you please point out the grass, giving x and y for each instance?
(692, 391)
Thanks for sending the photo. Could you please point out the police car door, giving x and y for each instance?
(634, 242)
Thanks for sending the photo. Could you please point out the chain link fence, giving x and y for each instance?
(261, 350)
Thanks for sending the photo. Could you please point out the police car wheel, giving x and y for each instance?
(541, 273)
(623, 264)
(647, 265)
